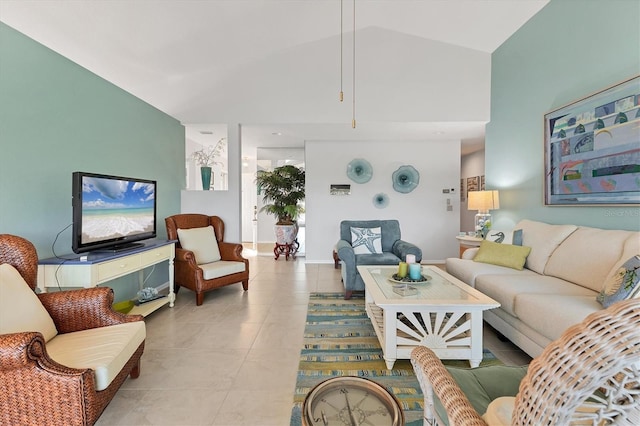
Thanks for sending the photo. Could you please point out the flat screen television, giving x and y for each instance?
(112, 213)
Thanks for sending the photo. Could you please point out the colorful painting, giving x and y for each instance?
(592, 149)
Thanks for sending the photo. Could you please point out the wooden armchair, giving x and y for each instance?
(196, 274)
(37, 390)
(590, 375)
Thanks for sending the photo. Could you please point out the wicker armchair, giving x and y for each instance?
(591, 375)
(190, 274)
(36, 390)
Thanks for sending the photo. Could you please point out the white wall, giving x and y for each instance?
(471, 165)
(400, 78)
(424, 219)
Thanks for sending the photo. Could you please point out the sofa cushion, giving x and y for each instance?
(624, 284)
(505, 288)
(468, 271)
(221, 268)
(575, 260)
(502, 254)
(551, 315)
(202, 242)
(543, 239)
(20, 308)
(366, 240)
(105, 350)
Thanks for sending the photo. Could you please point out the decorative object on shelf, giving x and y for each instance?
(205, 175)
(591, 154)
(206, 158)
(359, 170)
(124, 307)
(483, 201)
(147, 293)
(405, 179)
(381, 200)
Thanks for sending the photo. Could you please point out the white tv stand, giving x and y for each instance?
(93, 269)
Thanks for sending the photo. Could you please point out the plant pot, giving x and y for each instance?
(286, 234)
(205, 174)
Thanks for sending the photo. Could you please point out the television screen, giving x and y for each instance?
(112, 212)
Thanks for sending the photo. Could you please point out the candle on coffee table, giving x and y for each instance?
(411, 258)
(402, 269)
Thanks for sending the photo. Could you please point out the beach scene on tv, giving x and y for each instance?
(115, 208)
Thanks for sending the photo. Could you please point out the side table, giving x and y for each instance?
(467, 242)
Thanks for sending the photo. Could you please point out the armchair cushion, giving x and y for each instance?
(202, 242)
(105, 350)
(482, 385)
(20, 308)
(221, 268)
(366, 240)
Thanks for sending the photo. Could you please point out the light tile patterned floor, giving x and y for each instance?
(233, 360)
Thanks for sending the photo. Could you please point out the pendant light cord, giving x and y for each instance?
(341, 50)
(353, 119)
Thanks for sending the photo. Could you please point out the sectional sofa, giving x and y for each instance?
(562, 276)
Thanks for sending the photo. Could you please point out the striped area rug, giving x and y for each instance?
(339, 340)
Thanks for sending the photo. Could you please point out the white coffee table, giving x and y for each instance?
(445, 315)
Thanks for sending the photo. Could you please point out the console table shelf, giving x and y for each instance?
(94, 269)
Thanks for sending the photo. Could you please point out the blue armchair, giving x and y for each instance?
(394, 250)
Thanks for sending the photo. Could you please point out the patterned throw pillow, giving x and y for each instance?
(623, 284)
(366, 240)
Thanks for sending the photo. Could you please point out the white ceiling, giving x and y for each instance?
(157, 49)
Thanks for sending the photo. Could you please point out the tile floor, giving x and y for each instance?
(233, 360)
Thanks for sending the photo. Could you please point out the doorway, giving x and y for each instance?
(257, 227)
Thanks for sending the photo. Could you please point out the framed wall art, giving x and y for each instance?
(473, 183)
(592, 149)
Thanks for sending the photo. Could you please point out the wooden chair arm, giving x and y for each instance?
(83, 309)
(434, 378)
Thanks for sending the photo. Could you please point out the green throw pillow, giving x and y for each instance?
(502, 254)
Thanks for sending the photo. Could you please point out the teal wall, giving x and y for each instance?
(568, 50)
(56, 118)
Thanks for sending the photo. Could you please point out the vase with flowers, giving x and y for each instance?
(206, 158)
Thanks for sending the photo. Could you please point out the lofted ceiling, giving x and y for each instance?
(174, 54)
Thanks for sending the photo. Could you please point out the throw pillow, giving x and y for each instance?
(202, 242)
(20, 308)
(622, 284)
(502, 254)
(366, 240)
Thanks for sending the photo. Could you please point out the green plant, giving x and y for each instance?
(282, 189)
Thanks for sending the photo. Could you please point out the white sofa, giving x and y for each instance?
(564, 272)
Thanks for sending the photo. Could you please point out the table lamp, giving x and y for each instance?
(483, 201)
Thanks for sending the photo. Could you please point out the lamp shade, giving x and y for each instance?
(484, 200)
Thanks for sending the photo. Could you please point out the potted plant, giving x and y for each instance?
(283, 189)
(205, 159)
